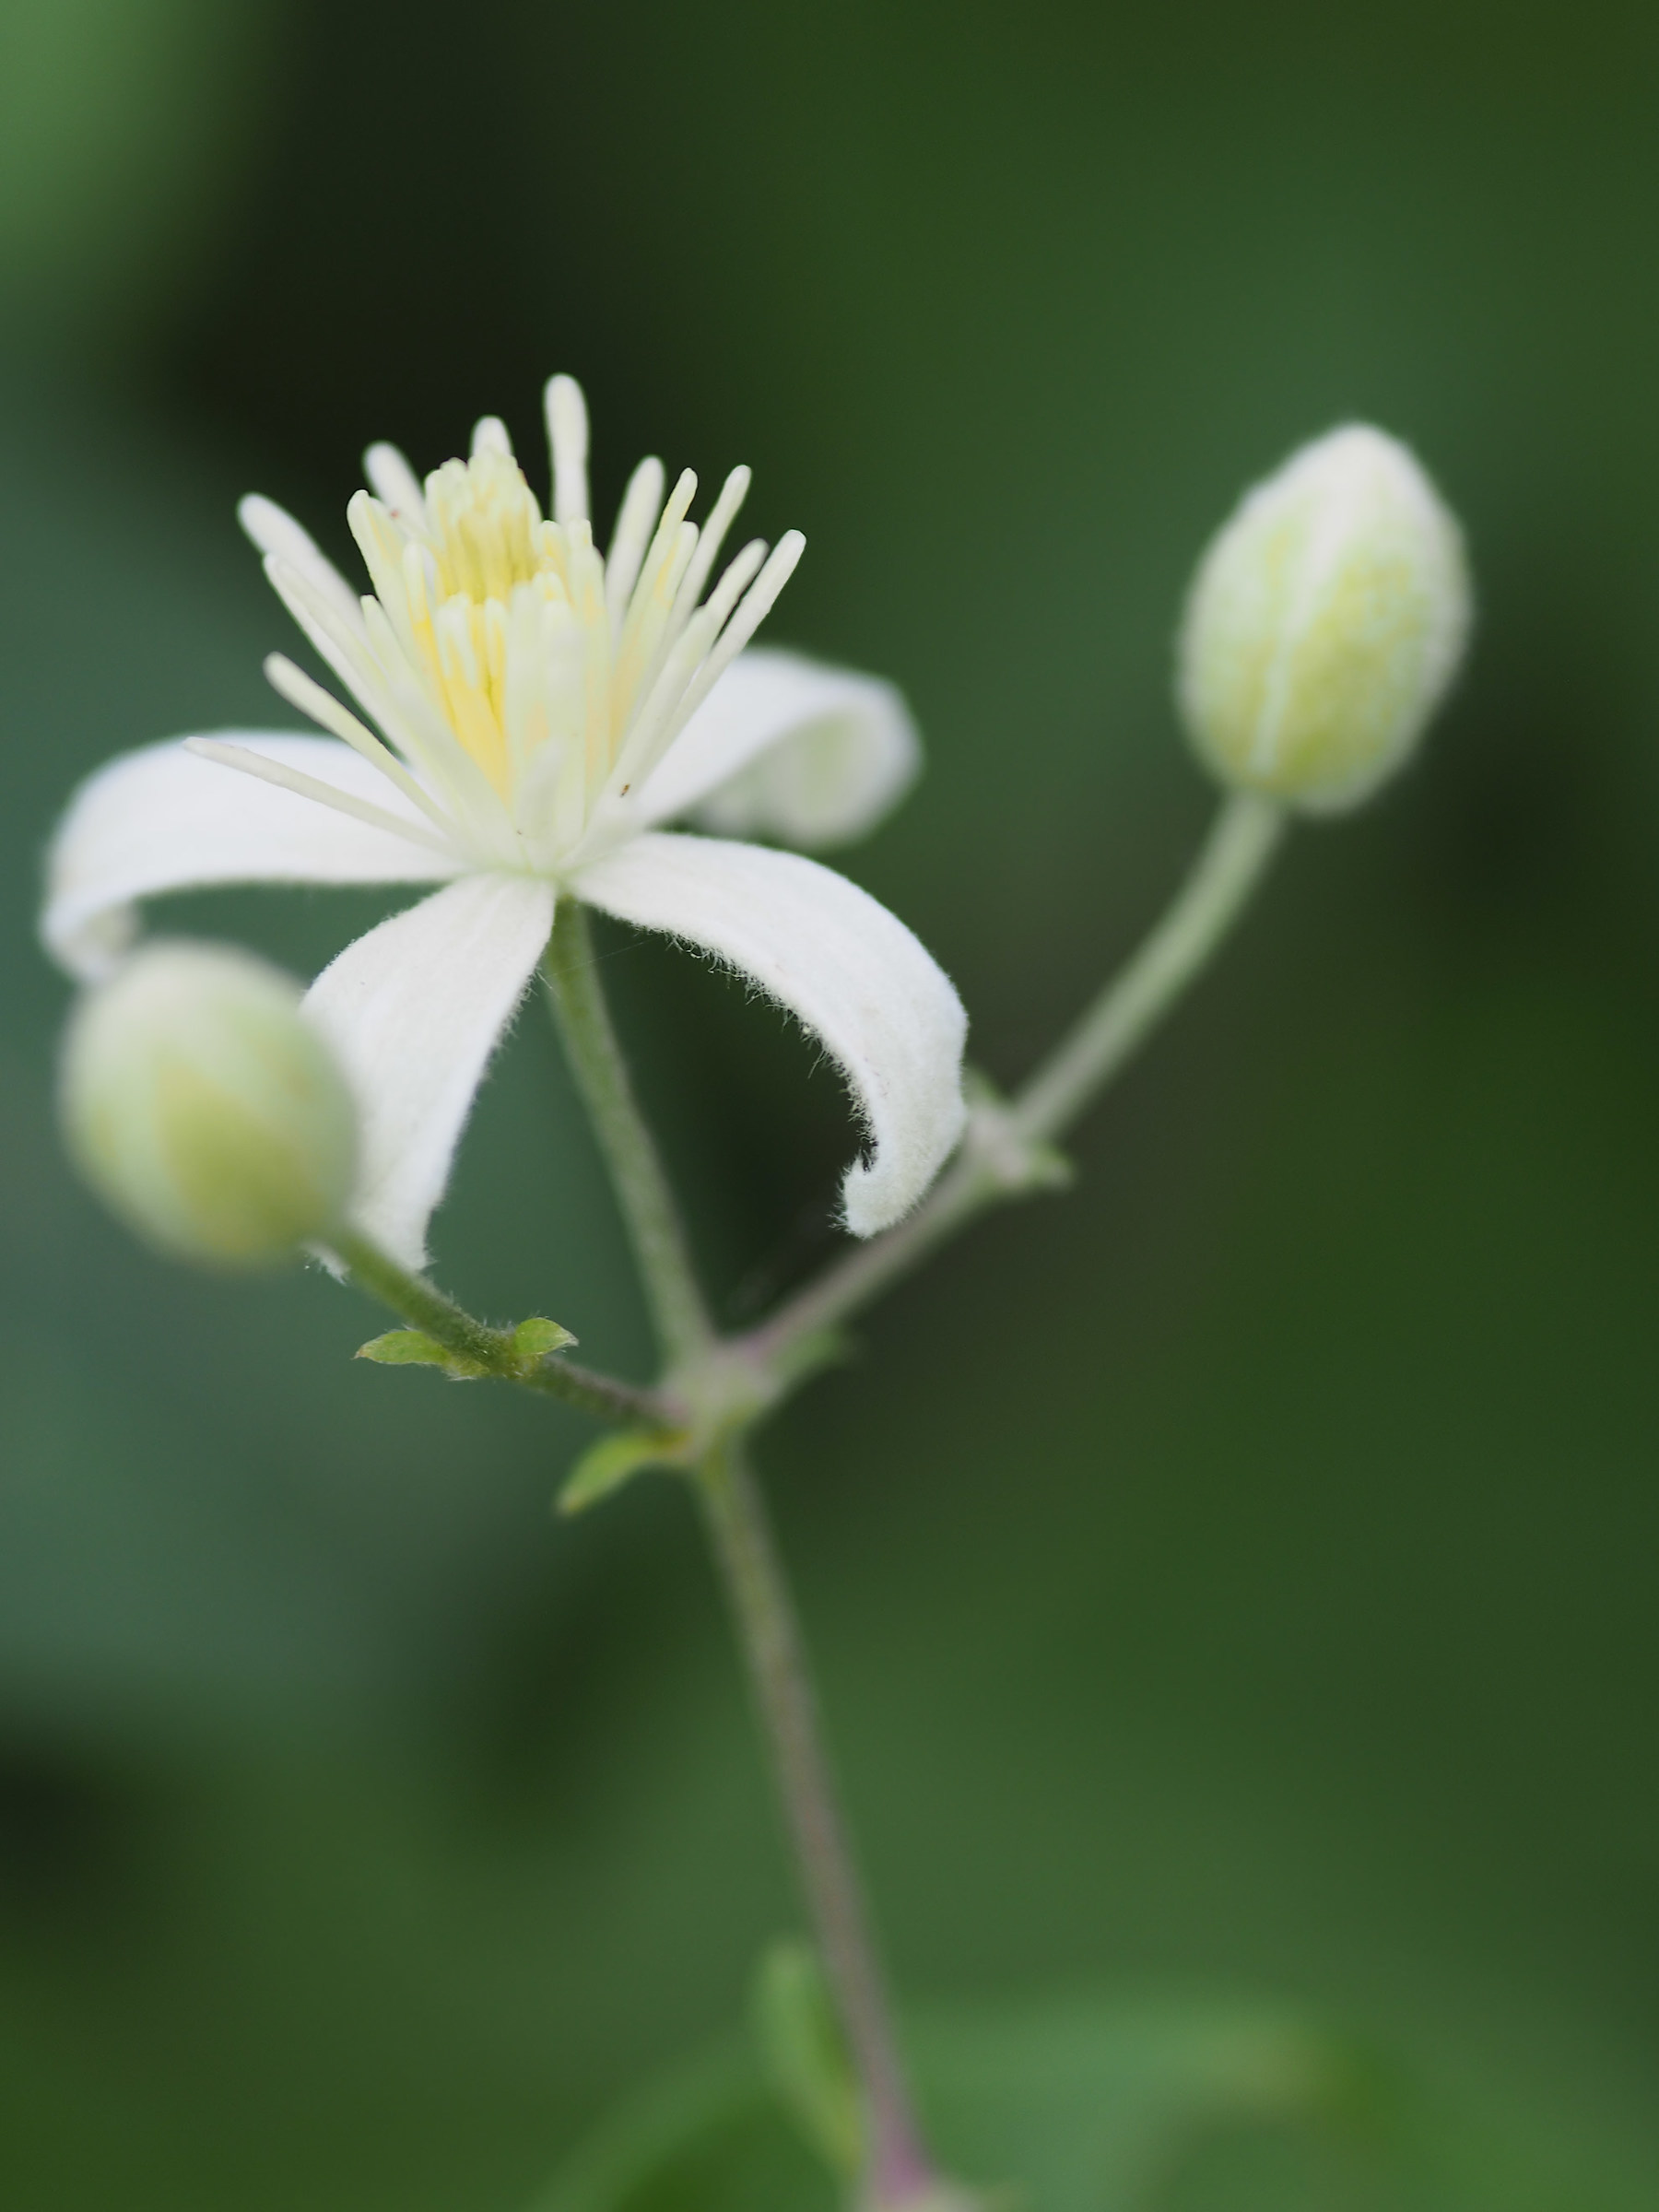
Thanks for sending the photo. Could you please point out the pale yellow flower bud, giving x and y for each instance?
(1325, 624)
(204, 1109)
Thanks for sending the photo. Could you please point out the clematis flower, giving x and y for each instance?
(539, 713)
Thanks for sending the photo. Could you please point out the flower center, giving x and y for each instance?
(511, 664)
(453, 595)
(487, 527)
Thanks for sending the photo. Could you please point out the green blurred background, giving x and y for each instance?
(1238, 1575)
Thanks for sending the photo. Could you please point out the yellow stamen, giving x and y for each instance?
(561, 674)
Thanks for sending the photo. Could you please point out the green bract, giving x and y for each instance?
(202, 1106)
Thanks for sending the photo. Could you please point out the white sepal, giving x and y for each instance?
(414, 1011)
(850, 971)
(786, 747)
(162, 819)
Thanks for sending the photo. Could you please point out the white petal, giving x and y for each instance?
(415, 1009)
(785, 747)
(162, 819)
(851, 972)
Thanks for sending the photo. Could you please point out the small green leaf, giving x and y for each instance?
(607, 1464)
(530, 1342)
(521, 1350)
(805, 2054)
(410, 1347)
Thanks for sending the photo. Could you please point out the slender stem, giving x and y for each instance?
(897, 2167)
(425, 1307)
(860, 1277)
(1234, 858)
(899, 2171)
(1243, 839)
(642, 1186)
(418, 1302)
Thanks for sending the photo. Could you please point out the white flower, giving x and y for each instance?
(543, 710)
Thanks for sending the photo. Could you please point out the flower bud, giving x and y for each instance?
(204, 1109)
(1325, 623)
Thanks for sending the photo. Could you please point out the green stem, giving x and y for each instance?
(1243, 839)
(426, 1308)
(897, 2167)
(899, 2171)
(1002, 1157)
(642, 1190)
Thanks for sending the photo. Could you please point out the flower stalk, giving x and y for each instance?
(650, 1213)
(897, 2170)
(1007, 1150)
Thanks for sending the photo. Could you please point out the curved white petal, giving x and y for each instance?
(851, 972)
(162, 819)
(414, 1010)
(786, 747)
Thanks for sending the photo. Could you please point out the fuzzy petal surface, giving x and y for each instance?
(162, 819)
(787, 747)
(414, 1011)
(851, 971)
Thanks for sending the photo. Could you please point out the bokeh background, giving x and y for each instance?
(1238, 1575)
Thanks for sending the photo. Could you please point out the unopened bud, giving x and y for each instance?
(203, 1108)
(1325, 624)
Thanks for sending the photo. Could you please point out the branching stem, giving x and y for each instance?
(1007, 1152)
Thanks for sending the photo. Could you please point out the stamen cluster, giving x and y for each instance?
(530, 683)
